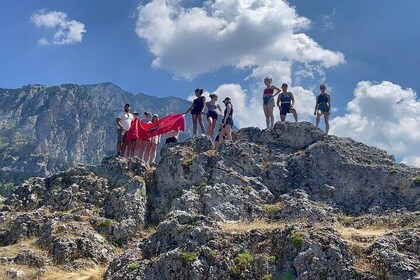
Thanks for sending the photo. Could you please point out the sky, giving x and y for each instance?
(365, 51)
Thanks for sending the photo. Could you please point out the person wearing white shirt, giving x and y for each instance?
(124, 122)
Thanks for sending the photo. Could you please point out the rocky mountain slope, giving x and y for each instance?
(286, 203)
(45, 129)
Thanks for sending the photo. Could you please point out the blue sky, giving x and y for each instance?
(364, 50)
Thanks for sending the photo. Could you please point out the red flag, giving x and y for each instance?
(141, 130)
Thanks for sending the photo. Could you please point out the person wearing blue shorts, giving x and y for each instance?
(285, 102)
(323, 107)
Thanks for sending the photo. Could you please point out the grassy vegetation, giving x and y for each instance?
(244, 259)
(105, 223)
(140, 180)
(250, 225)
(267, 276)
(133, 266)
(393, 171)
(273, 208)
(297, 239)
(187, 257)
(213, 255)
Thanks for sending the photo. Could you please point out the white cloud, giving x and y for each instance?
(262, 37)
(240, 34)
(328, 21)
(65, 31)
(383, 115)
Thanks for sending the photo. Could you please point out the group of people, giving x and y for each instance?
(211, 109)
(145, 149)
(286, 102)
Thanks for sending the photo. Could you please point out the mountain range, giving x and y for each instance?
(46, 129)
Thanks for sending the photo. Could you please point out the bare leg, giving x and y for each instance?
(295, 115)
(137, 148)
(143, 145)
(118, 148)
(327, 123)
(200, 121)
(318, 118)
(194, 119)
(153, 148)
(267, 115)
(282, 118)
(228, 131)
(221, 135)
(147, 151)
(209, 126)
(132, 148)
(270, 108)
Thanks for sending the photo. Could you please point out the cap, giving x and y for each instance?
(155, 115)
(227, 98)
(284, 85)
(147, 113)
(136, 113)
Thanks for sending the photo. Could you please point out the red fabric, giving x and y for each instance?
(141, 130)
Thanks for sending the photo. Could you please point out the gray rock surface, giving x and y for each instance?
(286, 203)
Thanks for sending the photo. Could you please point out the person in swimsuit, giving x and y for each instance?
(145, 143)
(196, 110)
(227, 122)
(133, 144)
(268, 101)
(212, 114)
(154, 142)
(172, 136)
(323, 107)
(285, 102)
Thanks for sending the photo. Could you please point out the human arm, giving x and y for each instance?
(329, 104)
(119, 122)
(276, 89)
(292, 99)
(278, 100)
(316, 106)
(189, 109)
(220, 109)
(204, 102)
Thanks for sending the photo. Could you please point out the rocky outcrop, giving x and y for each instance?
(285, 203)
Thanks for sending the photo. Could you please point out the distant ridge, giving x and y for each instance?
(45, 129)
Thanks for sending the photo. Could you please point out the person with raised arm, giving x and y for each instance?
(268, 101)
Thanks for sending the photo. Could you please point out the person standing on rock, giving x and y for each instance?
(323, 107)
(124, 122)
(154, 142)
(145, 143)
(227, 122)
(133, 150)
(285, 102)
(196, 110)
(212, 114)
(268, 101)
